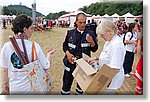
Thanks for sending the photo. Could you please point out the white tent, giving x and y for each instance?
(71, 17)
(106, 16)
(115, 17)
(7, 17)
(97, 18)
(128, 17)
(139, 16)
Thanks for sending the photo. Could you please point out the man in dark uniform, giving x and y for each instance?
(77, 41)
(93, 27)
(88, 25)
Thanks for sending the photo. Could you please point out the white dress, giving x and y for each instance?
(19, 82)
(113, 55)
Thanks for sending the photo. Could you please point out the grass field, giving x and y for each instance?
(54, 39)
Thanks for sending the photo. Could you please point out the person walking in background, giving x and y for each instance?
(77, 41)
(16, 79)
(4, 24)
(130, 43)
(112, 54)
(88, 25)
(136, 22)
(93, 26)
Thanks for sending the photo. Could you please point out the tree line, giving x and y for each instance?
(21, 9)
(18, 9)
(121, 8)
(98, 8)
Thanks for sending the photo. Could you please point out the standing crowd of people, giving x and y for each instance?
(118, 52)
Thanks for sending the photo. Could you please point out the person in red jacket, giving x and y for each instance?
(139, 68)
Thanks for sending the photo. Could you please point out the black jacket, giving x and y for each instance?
(76, 44)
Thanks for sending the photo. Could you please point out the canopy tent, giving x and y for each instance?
(7, 18)
(106, 16)
(139, 16)
(71, 17)
(115, 17)
(128, 17)
(97, 18)
(74, 13)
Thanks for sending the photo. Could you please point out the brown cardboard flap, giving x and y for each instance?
(75, 71)
(108, 71)
(101, 80)
(82, 78)
(86, 67)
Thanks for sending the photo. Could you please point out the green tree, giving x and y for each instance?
(5, 11)
(55, 15)
(101, 8)
(18, 9)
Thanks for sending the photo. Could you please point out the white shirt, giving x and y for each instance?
(130, 47)
(80, 31)
(113, 55)
(18, 81)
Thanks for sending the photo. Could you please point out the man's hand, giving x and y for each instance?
(90, 40)
(70, 57)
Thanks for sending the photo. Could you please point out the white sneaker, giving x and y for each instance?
(131, 73)
(127, 75)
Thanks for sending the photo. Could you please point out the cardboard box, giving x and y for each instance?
(90, 80)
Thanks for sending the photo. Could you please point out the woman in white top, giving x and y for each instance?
(15, 82)
(130, 46)
(112, 54)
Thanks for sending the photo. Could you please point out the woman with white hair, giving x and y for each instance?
(112, 54)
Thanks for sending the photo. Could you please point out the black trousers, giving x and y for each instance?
(67, 82)
(128, 62)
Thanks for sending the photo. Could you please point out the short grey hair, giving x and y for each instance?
(106, 25)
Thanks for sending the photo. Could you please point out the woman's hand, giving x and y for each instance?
(92, 60)
(6, 89)
(6, 80)
(50, 52)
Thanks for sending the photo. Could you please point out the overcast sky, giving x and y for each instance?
(47, 6)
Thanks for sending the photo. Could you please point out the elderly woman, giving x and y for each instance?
(112, 54)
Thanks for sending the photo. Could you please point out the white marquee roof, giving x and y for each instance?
(74, 13)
